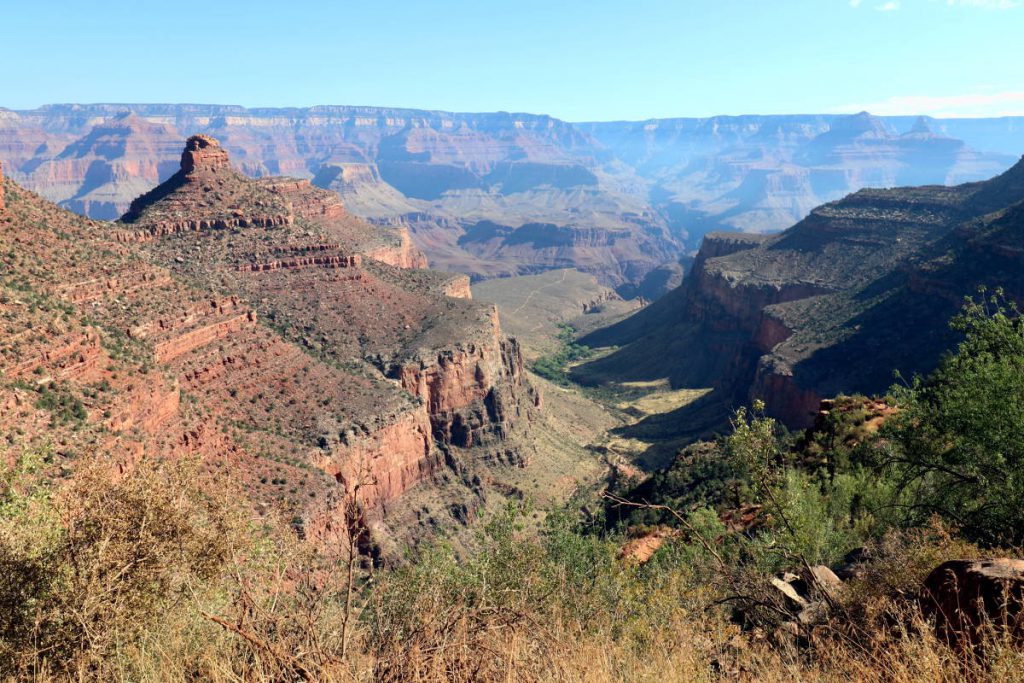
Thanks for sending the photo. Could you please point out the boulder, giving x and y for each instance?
(794, 600)
(825, 580)
(808, 596)
(965, 597)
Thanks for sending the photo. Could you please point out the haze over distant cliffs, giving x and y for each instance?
(501, 194)
(764, 173)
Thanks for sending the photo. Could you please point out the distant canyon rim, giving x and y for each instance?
(501, 194)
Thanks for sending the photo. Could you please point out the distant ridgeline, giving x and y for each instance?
(860, 288)
(502, 194)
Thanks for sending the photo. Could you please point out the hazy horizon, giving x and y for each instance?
(681, 117)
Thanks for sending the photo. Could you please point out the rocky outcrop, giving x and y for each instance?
(403, 255)
(126, 282)
(3, 203)
(771, 332)
(206, 193)
(966, 598)
(458, 287)
(76, 358)
(595, 303)
(165, 228)
(305, 200)
(204, 154)
(202, 335)
(187, 317)
(384, 463)
(807, 597)
(717, 244)
(872, 414)
(474, 393)
(716, 293)
(353, 261)
(148, 409)
(790, 403)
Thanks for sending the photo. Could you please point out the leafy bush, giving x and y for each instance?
(958, 443)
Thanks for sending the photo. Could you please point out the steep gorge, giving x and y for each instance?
(860, 288)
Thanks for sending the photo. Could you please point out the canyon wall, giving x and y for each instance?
(233, 321)
(475, 393)
(860, 288)
(385, 463)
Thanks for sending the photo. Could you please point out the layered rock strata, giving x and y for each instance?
(348, 293)
(256, 346)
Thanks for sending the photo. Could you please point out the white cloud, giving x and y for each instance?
(985, 4)
(1004, 103)
(893, 5)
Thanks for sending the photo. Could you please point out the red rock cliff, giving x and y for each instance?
(385, 463)
(474, 391)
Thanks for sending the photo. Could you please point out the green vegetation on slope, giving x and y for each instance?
(958, 443)
(950, 444)
(554, 366)
(533, 306)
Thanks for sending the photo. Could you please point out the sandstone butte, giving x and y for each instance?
(295, 350)
(521, 171)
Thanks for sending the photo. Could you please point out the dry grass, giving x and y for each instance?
(145, 578)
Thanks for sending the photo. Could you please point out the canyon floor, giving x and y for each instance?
(539, 311)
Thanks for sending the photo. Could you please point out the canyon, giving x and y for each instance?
(257, 320)
(256, 325)
(764, 173)
(858, 290)
(501, 194)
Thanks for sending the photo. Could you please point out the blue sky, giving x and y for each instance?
(578, 60)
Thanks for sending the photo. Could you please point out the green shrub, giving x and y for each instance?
(958, 443)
